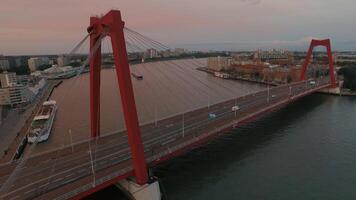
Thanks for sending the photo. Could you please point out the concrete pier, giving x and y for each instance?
(333, 91)
(149, 191)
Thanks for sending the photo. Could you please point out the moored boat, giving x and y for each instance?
(42, 123)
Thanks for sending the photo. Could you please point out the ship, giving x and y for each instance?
(41, 125)
(222, 75)
(56, 72)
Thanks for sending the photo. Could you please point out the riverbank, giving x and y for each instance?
(338, 91)
(232, 77)
(328, 91)
(17, 125)
(347, 93)
(156, 97)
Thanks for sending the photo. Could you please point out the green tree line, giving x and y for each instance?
(349, 74)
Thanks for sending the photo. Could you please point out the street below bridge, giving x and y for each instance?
(75, 169)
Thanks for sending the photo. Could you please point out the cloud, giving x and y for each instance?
(298, 44)
(252, 2)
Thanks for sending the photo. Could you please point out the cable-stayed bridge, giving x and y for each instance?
(84, 167)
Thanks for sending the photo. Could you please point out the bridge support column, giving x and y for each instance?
(313, 44)
(112, 25)
(148, 191)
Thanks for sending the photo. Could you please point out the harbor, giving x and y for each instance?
(17, 143)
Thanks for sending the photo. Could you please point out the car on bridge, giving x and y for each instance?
(212, 116)
(235, 108)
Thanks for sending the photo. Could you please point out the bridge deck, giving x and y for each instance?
(52, 174)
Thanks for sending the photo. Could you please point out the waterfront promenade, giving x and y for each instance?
(14, 127)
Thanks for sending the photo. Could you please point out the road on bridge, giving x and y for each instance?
(72, 170)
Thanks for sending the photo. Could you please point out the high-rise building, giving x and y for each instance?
(7, 79)
(16, 90)
(4, 63)
(34, 63)
(62, 61)
(219, 63)
(13, 95)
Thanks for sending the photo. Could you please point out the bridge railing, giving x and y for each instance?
(96, 155)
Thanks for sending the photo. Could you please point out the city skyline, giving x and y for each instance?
(231, 99)
(36, 28)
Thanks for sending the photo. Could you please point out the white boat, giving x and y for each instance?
(222, 75)
(42, 123)
(56, 72)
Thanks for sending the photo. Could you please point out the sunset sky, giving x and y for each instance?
(54, 26)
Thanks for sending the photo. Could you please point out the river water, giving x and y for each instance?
(167, 88)
(306, 150)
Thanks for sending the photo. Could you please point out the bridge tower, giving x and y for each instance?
(112, 25)
(327, 44)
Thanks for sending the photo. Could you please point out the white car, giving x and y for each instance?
(312, 82)
(235, 108)
(212, 116)
(273, 96)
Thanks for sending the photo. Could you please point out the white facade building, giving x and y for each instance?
(7, 79)
(13, 95)
(16, 90)
(151, 53)
(219, 63)
(34, 63)
(62, 61)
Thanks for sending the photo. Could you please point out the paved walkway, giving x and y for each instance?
(10, 126)
(14, 125)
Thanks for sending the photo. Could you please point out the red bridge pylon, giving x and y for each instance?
(112, 25)
(313, 44)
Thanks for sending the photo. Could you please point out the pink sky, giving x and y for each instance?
(54, 26)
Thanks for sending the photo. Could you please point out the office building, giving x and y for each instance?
(15, 90)
(4, 63)
(35, 63)
(219, 63)
(62, 61)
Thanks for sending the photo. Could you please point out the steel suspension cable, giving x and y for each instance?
(141, 41)
(159, 63)
(162, 46)
(79, 45)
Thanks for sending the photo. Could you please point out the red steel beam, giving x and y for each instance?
(95, 65)
(112, 24)
(327, 44)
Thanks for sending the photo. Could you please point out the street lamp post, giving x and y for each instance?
(71, 139)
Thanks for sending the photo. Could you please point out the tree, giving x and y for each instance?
(349, 74)
(21, 70)
(257, 75)
(289, 78)
(43, 67)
